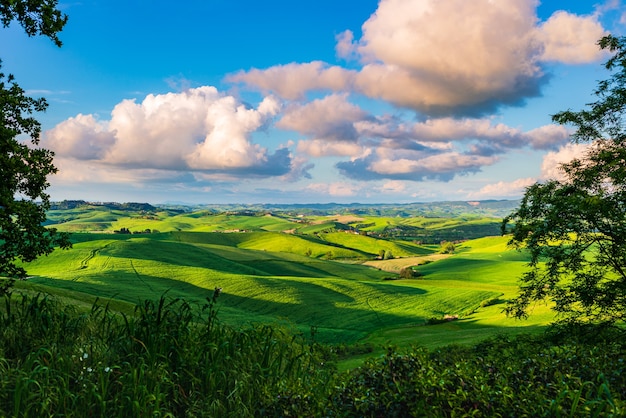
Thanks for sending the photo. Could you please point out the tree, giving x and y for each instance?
(575, 228)
(447, 247)
(408, 273)
(24, 167)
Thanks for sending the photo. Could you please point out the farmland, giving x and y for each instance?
(332, 270)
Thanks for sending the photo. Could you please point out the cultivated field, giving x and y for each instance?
(334, 274)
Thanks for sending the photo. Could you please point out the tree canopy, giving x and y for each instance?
(575, 227)
(37, 17)
(24, 167)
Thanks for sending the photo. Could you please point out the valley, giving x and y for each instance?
(335, 270)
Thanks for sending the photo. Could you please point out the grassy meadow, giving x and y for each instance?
(166, 312)
(334, 273)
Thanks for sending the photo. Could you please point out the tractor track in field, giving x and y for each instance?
(84, 263)
(367, 300)
(139, 276)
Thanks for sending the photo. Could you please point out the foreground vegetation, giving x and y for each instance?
(169, 359)
(315, 319)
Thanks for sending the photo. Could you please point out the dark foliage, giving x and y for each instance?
(24, 167)
(575, 228)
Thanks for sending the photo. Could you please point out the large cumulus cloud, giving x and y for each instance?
(198, 130)
(452, 57)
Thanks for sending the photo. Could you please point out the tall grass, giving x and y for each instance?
(168, 359)
(172, 359)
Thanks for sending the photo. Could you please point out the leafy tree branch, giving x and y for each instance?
(574, 229)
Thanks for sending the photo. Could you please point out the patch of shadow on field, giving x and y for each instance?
(129, 286)
(315, 305)
(474, 329)
(318, 312)
(388, 288)
(457, 265)
(462, 331)
(190, 255)
(316, 240)
(286, 268)
(182, 254)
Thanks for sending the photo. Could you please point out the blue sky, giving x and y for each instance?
(237, 101)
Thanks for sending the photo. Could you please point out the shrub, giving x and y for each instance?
(490, 302)
(409, 273)
(524, 376)
(447, 247)
(172, 358)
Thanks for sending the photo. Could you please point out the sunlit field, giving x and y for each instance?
(307, 273)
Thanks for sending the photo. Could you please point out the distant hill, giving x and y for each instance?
(75, 204)
(491, 208)
(423, 223)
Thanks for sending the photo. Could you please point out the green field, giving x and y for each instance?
(314, 272)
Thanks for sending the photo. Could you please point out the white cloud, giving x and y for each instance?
(565, 38)
(198, 129)
(334, 189)
(390, 147)
(322, 148)
(331, 117)
(81, 137)
(393, 163)
(444, 56)
(502, 189)
(393, 186)
(549, 171)
(550, 167)
(345, 47)
(292, 81)
(547, 137)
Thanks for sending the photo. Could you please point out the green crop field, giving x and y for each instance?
(321, 273)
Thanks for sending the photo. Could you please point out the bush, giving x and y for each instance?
(490, 302)
(524, 376)
(447, 247)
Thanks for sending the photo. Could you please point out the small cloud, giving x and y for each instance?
(292, 81)
(178, 83)
(52, 94)
(346, 48)
(393, 186)
(565, 38)
(504, 189)
(338, 189)
(385, 164)
(330, 118)
(552, 161)
(323, 148)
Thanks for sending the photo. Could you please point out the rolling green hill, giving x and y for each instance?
(302, 271)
